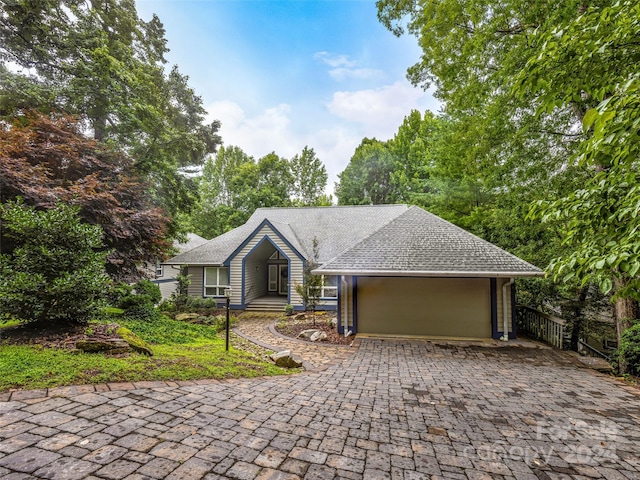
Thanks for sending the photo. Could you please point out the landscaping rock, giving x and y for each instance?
(112, 345)
(285, 359)
(334, 322)
(300, 316)
(318, 337)
(186, 317)
(308, 333)
(134, 341)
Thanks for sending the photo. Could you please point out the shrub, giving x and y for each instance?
(167, 305)
(198, 303)
(55, 271)
(137, 301)
(147, 287)
(118, 292)
(288, 310)
(629, 349)
(218, 322)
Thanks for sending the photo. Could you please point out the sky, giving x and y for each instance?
(284, 74)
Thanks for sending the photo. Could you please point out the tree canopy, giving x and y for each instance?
(233, 185)
(97, 59)
(46, 160)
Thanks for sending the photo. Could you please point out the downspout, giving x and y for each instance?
(505, 316)
(343, 305)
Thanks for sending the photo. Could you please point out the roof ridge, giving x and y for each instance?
(310, 207)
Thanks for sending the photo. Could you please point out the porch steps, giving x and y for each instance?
(267, 304)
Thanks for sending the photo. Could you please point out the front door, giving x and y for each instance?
(273, 278)
(283, 277)
(278, 279)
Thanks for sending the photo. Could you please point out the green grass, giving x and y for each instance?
(181, 352)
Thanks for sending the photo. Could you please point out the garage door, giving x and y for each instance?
(441, 307)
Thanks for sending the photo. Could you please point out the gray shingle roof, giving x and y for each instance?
(336, 228)
(420, 243)
(192, 242)
(373, 240)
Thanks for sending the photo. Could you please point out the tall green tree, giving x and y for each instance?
(234, 185)
(216, 212)
(590, 63)
(518, 81)
(309, 178)
(99, 60)
(367, 179)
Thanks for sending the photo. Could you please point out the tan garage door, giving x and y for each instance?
(442, 307)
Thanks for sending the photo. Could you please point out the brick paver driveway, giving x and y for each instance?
(394, 409)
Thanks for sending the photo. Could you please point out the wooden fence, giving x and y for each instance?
(541, 326)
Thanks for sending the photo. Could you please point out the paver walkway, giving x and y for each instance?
(316, 356)
(393, 409)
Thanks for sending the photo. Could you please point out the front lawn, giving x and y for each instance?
(182, 351)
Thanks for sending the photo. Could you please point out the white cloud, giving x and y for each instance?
(343, 67)
(258, 135)
(340, 74)
(271, 131)
(334, 60)
(380, 111)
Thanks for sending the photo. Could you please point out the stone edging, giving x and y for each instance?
(72, 390)
(273, 331)
(306, 365)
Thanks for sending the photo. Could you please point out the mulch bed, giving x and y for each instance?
(56, 336)
(293, 325)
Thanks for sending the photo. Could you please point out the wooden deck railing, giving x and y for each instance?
(541, 326)
(587, 350)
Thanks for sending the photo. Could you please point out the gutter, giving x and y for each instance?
(505, 316)
(426, 273)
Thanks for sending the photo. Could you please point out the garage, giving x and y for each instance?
(419, 306)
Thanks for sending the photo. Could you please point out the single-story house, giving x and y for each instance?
(387, 270)
(165, 275)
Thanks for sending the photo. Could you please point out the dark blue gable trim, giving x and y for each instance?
(495, 334)
(244, 259)
(265, 222)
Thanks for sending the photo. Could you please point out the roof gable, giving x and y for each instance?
(287, 240)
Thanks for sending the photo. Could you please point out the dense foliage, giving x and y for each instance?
(629, 349)
(55, 273)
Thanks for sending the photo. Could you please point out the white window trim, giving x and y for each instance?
(219, 287)
(326, 287)
(159, 270)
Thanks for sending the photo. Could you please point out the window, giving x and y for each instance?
(277, 256)
(329, 286)
(216, 279)
(159, 269)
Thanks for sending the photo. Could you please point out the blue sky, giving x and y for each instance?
(284, 74)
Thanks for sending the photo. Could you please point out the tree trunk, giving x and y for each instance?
(578, 320)
(626, 310)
